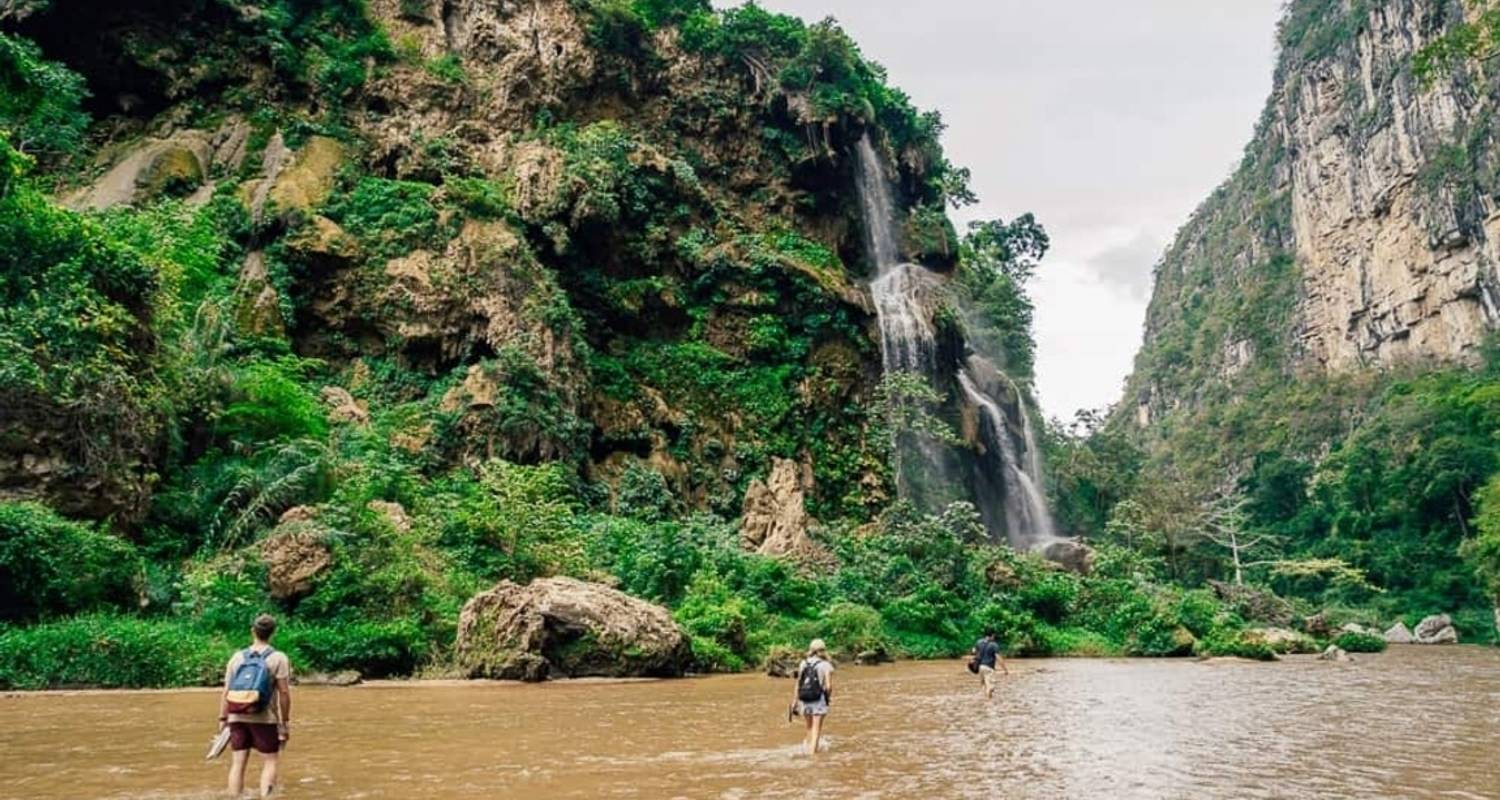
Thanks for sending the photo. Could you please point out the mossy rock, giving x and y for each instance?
(309, 179)
(173, 172)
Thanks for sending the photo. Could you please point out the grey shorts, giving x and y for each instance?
(817, 709)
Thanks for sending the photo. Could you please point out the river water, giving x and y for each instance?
(1409, 723)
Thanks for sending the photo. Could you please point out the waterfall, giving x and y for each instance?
(1004, 476)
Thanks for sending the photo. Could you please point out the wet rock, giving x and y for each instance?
(1335, 653)
(1399, 634)
(1436, 629)
(564, 626)
(775, 519)
(346, 678)
(294, 554)
(1070, 554)
(1280, 640)
(870, 657)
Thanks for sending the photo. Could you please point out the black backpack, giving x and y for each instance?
(809, 688)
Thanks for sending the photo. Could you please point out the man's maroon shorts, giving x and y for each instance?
(262, 735)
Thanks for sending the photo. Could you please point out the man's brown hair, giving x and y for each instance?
(264, 627)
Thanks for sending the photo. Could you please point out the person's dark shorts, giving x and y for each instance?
(261, 735)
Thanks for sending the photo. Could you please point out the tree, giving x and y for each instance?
(1471, 40)
(1224, 524)
(996, 259)
(1482, 552)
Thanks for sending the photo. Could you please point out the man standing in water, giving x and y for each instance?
(814, 690)
(987, 653)
(257, 706)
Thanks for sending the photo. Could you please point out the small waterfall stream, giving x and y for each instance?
(1003, 480)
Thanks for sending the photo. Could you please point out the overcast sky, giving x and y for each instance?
(1109, 120)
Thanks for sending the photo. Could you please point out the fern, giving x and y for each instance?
(291, 474)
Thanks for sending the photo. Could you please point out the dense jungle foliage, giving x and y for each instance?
(679, 325)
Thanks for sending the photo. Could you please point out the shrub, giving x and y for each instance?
(111, 652)
(1356, 642)
(851, 628)
(50, 565)
(374, 649)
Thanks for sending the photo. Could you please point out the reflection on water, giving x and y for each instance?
(1410, 723)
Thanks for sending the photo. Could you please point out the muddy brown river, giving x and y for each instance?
(1409, 723)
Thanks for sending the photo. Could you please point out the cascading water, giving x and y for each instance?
(1005, 484)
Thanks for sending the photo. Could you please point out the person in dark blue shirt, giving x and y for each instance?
(987, 653)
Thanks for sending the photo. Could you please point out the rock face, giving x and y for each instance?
(1436, 629)
(563, 626)
(294, 555)
(1399, 634)
(775, 520)
(1362, 223)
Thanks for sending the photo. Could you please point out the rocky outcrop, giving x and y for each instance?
(567, 627)
(1362, 225)
(1399, 634)
(775, 519)
(181, 164)
(295, 554)
(1436, 629)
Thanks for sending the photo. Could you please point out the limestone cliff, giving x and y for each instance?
(1362, 228)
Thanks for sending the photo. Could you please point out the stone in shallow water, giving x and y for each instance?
(1436, 629)
(1335, 653)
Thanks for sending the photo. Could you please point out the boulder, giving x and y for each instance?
(1436, 629)
(1355, 627)
(342, 407)
(1399, 634)
(1318, 625)
(294, 555)
(394, 513)
(876, 655)
(1335, 653)
(1280, 640)
(564, 626)
(1070, 554)
(775, 520)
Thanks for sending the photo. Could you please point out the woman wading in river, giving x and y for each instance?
(814, 690)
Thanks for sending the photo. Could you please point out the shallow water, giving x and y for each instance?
(1409, 723)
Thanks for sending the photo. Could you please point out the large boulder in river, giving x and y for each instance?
(1436, 629)
(1399, 634)
(563, 626)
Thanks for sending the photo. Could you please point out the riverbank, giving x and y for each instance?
(1075, 727)
(1017, 665)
